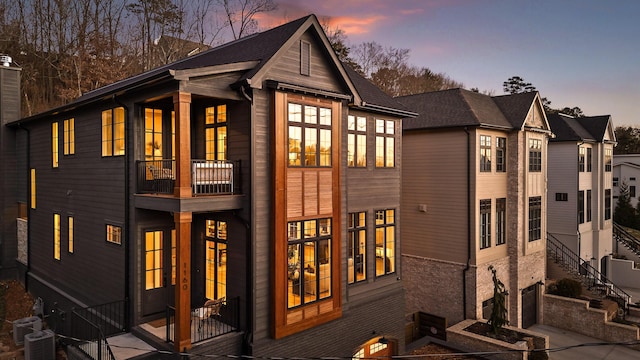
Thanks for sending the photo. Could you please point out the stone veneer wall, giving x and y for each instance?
(23, 245)
(576, 315)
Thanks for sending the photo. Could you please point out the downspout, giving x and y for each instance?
(127, 211)
(26, 275)
(468, 266)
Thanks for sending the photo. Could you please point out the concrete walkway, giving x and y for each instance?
(127, 346)
(559, 338)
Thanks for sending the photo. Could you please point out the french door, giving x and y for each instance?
(159, 276)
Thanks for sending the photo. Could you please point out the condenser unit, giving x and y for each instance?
(40, 345)
(24, 326)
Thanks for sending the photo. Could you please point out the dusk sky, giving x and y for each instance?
(583, 53)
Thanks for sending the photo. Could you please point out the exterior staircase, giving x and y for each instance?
(591, 279)
(624, 238)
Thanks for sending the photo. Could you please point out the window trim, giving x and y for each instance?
(355, 137)
(57, 238)
(306, 128)
(501, 221)
(70, 234)
(581, 207)
(55, 144)
(607, 204)
(485, 223)
(385, 138)
(535, 218)
(68, 137)
(535, 155)
(501, 154)
(113, 233)
(383, 227)
(109, 132)
(356, 228)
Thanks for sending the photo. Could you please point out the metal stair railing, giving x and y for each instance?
(589, 275)
(623, 236)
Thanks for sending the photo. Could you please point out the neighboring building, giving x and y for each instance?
(580, 210)
(12, 202)
(261, 171)
(626, 170)
(473, 196)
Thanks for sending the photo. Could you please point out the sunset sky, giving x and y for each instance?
(583, 53)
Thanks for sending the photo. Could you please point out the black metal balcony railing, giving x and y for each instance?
(589, 275)
(208, 321)
(208, 177)
(91, 326)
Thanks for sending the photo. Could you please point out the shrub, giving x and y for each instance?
(566, 287)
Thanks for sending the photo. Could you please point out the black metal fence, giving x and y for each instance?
(591, 277)
(208, 321)
(623, 236)
(208, 177)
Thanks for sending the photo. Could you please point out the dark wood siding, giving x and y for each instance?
(91, 189)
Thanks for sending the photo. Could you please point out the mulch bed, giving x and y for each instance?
(442, 353)
(485, 329)
(15, 303)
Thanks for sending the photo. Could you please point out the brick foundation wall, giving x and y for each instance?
(576, 315)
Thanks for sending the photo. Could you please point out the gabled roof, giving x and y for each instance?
(515, 107)
(372, 97)
(459, 107)
(569, 128)
(251, 54)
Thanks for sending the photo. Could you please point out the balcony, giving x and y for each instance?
(215, 186)
(208, 177)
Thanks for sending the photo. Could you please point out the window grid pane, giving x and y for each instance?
(314, 143)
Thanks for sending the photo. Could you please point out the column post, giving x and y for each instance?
(182, 341)
(182, 108)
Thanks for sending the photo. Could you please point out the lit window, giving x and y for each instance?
(308, 261)
(216, 259)
(309, 135)
(153, 260)
(153, 134)
(69, 141)
(33, 188)
(70, 233)
(113, 143)
(357, 252)
(385, 143)
(54, 145)
(56, 236)
(357, 141)
(114, 234)
(216, 133)
(385, 241)
(485, 153)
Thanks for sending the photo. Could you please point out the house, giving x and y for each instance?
(626, 170)
(261, 174)
(580, 183)
(474, 171)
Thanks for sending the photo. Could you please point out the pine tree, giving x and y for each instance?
(624, 213)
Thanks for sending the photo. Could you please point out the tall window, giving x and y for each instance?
(309, 135)
(632, 191)
(153, 134)
(113, 143)
(535, 155)
(56, 236)
(153, 260)
(216, 132)
(589, 159)
(485, 223)
(485, 153)
(580, 207)
(588, 205)
(357, 141)
(309, 261)
(54, 145)
(535, 218)
(33, 188)
(607, 204)
(501, 154)
(385, 241)
(216, 259)
(70, 233)
(69, 137)
(357, 259)
(114, 234)
(581, 158)
(501, 221)
(385, 143)
(607, 159)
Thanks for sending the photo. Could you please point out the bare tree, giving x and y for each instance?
(240, 14)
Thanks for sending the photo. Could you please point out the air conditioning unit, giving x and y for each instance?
(24, 326)
(40, 345)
